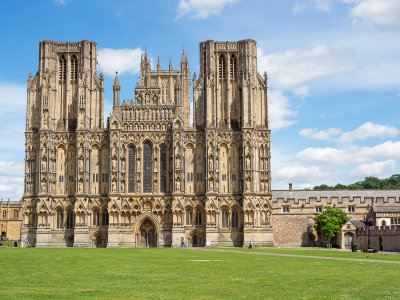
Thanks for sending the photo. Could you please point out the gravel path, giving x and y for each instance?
(302, 256)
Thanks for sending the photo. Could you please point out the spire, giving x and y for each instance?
(30, 76)
(183, 57)
(116, 80)
(145, 54)
(116, 91)
(170, 64)
(158, 64)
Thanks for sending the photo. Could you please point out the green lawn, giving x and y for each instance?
(309, 251)
(170, 274)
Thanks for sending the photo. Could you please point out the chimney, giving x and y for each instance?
(290, 187)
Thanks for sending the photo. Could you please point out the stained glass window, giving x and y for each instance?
(131, 171)
(147, 167)
(163, 167)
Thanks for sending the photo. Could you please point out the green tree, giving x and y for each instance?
(330, 222)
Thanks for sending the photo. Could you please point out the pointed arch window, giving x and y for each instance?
(70, 220)
(233, 67)
(74, 68)
(235, 218)
(221, 66)
(163, 169)
(62, 68)
(225, 217)
(60, 219)
(131, 169)
(147, 167)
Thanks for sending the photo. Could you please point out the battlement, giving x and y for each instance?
(379, 230)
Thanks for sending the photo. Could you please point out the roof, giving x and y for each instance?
(358, 223)
(387, 209)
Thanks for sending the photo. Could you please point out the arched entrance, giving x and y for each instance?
(195, 239)
(348, 240)
(99, 240)
(147, 234)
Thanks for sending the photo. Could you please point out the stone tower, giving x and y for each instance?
(231, 106)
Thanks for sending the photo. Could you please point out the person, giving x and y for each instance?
(251, 244)
(182, 242)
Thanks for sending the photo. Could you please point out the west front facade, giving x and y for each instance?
(148, 178)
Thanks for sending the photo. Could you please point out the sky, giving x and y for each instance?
(333, 66)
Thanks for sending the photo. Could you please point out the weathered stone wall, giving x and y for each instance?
(292, 230)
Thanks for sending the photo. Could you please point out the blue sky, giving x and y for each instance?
(333, 65)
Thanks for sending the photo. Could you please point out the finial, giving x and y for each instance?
(170, 63)
(30, 76)
(101, 76)
(116, 80)
(158, 64)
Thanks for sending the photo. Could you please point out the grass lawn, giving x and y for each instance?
(310, 251)
(183, 273)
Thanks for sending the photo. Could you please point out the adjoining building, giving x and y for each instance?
(148, 178)
(10, 220)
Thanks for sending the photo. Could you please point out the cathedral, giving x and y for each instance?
(148, 177)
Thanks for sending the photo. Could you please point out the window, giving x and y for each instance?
(61, 178)
(70, 220)
(147, 167)
(233, 177)
(62, 68)
(233, 67)
(223, 177)
(189, 218)
(163, 167)
(395, 221)
(318, 209)
(383, 223)
(225, 216)
(351, 209)
(60, 219)
(286, 209)
(131, 169)
(104, 218)
(4, 214)
(221, 67)
(198, 217)
(71, 178)
(235, 219)
(15, 213)
(96, 218)
(74, 68)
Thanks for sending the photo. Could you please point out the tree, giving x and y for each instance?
(330, 222)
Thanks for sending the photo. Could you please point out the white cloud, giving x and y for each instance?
(290, 69)
(299, 173)
(279, 110)
(363, 132)
(376, 168)
(320, 134)
(380, 12)
(323, 5)
(301, 91)
(352, 155)
(11, 179)
(121, 60)
(201, 9)
(369, 130)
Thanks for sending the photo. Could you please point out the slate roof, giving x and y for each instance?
(387, 209)
(358, 223)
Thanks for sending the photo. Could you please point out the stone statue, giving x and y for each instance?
(81, 164)
(178, 163)
(122, 187)
(80, 186)
(114, 186)
(114, 164)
